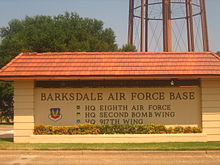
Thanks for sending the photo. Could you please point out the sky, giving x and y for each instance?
(114, 14)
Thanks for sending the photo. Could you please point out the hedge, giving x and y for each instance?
(94, 129)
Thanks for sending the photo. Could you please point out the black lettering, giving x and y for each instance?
(164, 114)
(133, 96)
(85, 97)
(100, 96)
(178, 97)
(50, 97)
(159, 107)
(57, 97)
(192, 96)
(71, 96)
(140, 96)
(133, 121)
(148, 96)
(90, 115)
(172, 96)
(64, 96)
(185, 96)
(182, 96)
(43, 97)
(162, 96)
(111, 97)
(91, 121)
(122, 96)
(79, 96)
(113, 114)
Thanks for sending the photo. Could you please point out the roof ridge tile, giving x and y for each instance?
(215, 55)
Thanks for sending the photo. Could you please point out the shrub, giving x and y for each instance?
(6, 116)
(178, 129)
(43, 130)
(196, 130)
(160, 129)
(187, 130)
(170, 130)
(94, 129)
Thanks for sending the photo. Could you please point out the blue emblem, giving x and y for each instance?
(55, 114)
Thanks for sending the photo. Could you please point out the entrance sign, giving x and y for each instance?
(168, 106)
(70, 88)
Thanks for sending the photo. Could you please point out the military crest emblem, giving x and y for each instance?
(55, 114)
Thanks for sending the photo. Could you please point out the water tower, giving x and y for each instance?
(168, 25)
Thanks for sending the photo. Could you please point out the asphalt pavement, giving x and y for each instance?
(6, 131)
(12, 157)
(34, 157)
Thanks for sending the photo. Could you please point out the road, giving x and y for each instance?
(8, 157)
(17, 157)
(6, 131)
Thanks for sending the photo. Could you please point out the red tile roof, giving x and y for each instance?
(111, 64)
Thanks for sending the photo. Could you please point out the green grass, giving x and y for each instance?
(7, 144)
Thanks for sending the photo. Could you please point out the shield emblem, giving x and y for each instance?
(55, 114)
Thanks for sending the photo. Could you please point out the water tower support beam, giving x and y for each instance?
(146, 25)
(167, 26)
(131, 22)
(204, 26)
(191, 26)
(142, 38)
(188, 26)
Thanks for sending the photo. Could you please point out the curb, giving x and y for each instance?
(85, 152)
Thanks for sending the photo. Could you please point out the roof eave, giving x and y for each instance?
(95, 77)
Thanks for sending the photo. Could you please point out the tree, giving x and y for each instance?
(218, 53)
(6, 102)
(63, 33)
(128, 48)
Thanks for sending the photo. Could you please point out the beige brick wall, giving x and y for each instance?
(211, 108)
(24, 110)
